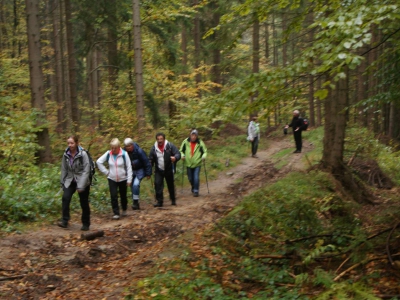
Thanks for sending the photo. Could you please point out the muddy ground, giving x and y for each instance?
(55, 263)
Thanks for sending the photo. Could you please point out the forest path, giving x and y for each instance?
(55, 263)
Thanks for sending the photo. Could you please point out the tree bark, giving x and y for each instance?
(36, 78)
(197, 50)
(137, 45)
(266, 41)
(216, 72)
(112, 46)
(71, 67)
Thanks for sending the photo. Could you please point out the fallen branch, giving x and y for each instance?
(359, 264)
(11, 277)
(272, 256)
(126, 248)
(388, 245)
(307, 238)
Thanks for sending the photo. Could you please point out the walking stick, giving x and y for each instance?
(153, 187)
(205, 172)
(183, 170)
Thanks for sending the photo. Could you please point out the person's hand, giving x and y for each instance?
(252, 140)
(80, 190)
(297, 129)
(183, 158)
(287, 126)
(128, 183)
(173, 159)
(148, 177)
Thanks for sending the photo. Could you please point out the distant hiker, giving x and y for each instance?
(141, 168)
(119, 174)
(253, 131)
(193, 151)
(75, 171)
(164, 155)
(297, 125)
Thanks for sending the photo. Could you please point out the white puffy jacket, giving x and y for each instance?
(119, 169)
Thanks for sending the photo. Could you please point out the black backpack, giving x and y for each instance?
(305, 124)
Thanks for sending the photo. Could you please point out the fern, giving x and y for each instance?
(347, 291)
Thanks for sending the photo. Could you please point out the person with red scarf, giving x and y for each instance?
(164, 155)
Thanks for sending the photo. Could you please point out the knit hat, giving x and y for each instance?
(195, 132)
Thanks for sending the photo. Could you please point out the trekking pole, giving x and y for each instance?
(152, 187)
(183, 170)
(205, 172)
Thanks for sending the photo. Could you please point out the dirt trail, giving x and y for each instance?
(54, 263)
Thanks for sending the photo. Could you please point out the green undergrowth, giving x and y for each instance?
(271, 246)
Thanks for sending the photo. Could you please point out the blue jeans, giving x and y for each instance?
(194, 178)
(135, 187)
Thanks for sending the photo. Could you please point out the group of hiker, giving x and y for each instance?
(126, 167)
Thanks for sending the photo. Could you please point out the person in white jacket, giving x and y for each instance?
(253, 131)
(119, 175)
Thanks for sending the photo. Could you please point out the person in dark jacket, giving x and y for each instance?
(141, 168)
(164, 155)
(297, 125)
(75, 171)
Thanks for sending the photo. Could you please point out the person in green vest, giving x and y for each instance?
(193, 152)
(253, 131)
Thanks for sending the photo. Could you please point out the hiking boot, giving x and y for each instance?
(62, 224)
(297, 151)
(115, 217)
(254, 155)
(196, 194)
(85, 227)
(135, 205)
(158, 204)
(173, 202)
(124, 213)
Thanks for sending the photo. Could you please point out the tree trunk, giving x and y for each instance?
(256, 54)
(216, 72)
(71, 67)
(266, 41)
(137, 45)
(112, 46)
(197, 50)
(60, 96)
(184, 48)
(311, 79)
(36, 78)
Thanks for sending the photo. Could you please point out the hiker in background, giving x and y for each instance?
(119, 175)
(141, 168)
(193, 151)
(164, 155)
(297, 127)
(253, 132)
(75, 171)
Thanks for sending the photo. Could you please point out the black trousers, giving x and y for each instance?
(114, 187)
(159, 177)
(297, 139)
(83, 199)
(254, 146)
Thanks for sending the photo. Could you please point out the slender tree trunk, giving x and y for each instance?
(60, 97)
(266, 41)
(36, 78)
(319, 104)
(197, 50)
(274, 41)
(112, 45)
(137, 45)
(71, 67)
(216, 72)
(184, 48)
(256, 55)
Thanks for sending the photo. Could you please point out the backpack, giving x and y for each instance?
(92, 166)
(305, 124)
(123, 156)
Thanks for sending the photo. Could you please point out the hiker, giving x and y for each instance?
(75, 171)
(141, 168)
(119, 175)
(193, 151)
(164, 155)
(253, 131)
(297, 125)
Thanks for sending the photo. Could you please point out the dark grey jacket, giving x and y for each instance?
(79, 170)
